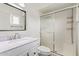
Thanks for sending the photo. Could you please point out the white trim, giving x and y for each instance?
(59, 10)
(77, 30)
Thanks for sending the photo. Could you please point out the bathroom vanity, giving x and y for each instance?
(19, 47)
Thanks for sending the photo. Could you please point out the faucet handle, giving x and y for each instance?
(10, 37)
(17, 35)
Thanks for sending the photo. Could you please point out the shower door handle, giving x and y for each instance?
(53, 41)
(53, 36)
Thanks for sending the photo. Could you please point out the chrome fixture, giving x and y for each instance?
(16, 36)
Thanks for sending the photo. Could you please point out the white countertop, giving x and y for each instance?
(6, 45)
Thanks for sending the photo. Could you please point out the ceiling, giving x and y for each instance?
(48, 7)
(39, 6)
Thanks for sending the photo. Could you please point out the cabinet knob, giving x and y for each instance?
(27, 53)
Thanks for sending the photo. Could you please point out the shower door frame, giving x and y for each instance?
(71, 30)
(76, 24)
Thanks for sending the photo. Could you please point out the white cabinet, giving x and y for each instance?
(23, 50)
(33, 51)
(33, 48)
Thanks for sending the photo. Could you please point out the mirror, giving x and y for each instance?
(12, 18)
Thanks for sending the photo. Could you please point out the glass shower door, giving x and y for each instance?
(47, 29)
(64, 32)
(57, 32)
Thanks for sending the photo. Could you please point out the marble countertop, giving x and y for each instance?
(6, 45)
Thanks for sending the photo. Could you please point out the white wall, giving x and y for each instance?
(32, 25)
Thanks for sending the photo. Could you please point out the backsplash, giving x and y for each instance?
(4, 37)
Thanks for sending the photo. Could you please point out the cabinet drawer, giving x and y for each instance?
(15, 51)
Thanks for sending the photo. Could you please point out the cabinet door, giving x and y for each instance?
(33, 48)
(16, 51)
(24, 53)
(33, 51)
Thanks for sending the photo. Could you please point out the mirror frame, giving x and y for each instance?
(24, 16)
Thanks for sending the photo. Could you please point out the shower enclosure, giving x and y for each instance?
(59, 31)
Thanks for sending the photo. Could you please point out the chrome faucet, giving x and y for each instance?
(17, 35)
